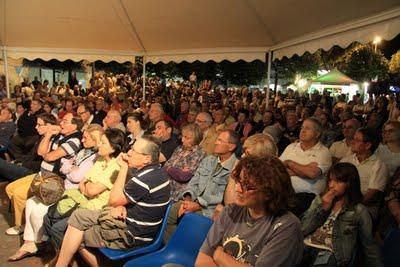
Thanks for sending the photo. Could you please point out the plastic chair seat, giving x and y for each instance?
(183, 246)
(119, 254)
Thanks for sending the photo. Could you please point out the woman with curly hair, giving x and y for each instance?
(258, 229)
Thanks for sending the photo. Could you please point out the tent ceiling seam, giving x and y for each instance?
(259, 19)
(132, 26)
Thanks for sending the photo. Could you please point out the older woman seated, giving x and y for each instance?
(257, 230)
(185, 160)
(259, 145)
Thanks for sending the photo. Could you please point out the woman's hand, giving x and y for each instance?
(327, 199)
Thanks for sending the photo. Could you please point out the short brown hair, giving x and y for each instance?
(269, 175)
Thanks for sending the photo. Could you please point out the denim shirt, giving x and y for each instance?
(207, 186)
(351, 225)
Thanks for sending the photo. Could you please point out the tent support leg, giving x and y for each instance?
(144, 78)
(268, 78)
(6, 71)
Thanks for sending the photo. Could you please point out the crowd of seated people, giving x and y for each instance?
(299, 180)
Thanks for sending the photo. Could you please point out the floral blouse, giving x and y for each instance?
(181, 167)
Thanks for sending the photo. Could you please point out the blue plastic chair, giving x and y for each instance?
(119, 254)
(183, 246)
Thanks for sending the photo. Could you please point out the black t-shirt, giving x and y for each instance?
(168, 147)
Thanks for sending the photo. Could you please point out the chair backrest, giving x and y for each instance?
(118, 254)
(159, 236)
(190, 234)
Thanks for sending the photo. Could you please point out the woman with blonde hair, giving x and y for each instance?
(257, 145)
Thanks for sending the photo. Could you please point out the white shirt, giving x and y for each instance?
(340, 149)
(319, 154)
(373, 172)
(391, 159)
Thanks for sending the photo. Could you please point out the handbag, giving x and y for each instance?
(47, 187)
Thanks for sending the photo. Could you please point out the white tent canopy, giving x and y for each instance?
(177, 30)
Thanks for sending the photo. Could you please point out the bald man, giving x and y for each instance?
(113, 121)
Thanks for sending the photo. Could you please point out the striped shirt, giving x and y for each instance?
(71, 144)
(149, 193)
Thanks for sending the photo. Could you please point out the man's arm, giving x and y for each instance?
(372, 196)
(310, 171)
(117, 195)
(44, 145)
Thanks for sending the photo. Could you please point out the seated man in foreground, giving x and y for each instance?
(141, 203)
(207, 186)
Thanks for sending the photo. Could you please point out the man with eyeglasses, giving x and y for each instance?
(342, 148)
(307, 162)
(207, 186)
(85, 114)
(374, 174)
(138, 201)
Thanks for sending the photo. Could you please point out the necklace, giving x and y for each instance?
(248, 219)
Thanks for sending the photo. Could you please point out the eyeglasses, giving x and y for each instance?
(65, 122)
(388, 131)
(202, 121)
(245, 187)
(81, 113)
(137, 152)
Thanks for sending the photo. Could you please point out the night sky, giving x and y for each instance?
(390, 47)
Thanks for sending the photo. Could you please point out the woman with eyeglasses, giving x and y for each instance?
(22, 174)
(257, 230)
(74, 170)
(95, 188)
(389, 150)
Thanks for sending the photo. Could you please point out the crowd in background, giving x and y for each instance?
(334, 188)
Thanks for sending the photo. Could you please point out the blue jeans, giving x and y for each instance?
(11, 172)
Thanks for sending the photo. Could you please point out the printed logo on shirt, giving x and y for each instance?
(237, 248)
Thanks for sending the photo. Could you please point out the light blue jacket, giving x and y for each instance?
(207, 187)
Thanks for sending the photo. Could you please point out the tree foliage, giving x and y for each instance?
(362, 63)
(394, 64)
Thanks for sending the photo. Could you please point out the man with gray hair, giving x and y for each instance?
(140, 203)
(205, 122)
(207, 186)
(342, 148)
(307, 162)
(113, 121)
(156, 113)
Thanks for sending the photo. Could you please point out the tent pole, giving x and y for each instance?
(6, 71)
(268, 78)
(144, 78)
